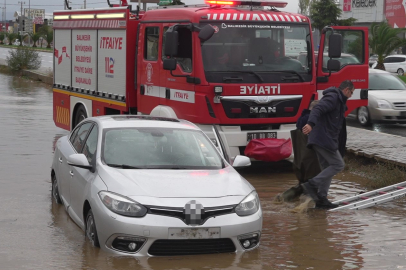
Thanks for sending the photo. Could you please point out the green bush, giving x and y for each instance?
(23, 58)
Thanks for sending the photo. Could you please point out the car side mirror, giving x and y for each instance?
(334, 45)
(170, 64)
(333, 65)
(241, 161)
(206, 32)
(80, 161)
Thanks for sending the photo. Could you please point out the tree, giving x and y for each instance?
(49, 38)
(2, 36)
(304, 6)
(23, 58)
(383, 40)
(11, 37)
(46, 33)
(324, 12)
(35, 37)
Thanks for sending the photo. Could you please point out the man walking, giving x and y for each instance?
(323, 127)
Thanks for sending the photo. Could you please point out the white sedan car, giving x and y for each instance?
(149, 186)
(386, 99)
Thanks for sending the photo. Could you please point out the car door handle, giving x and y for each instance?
(71, 173)
(60, 160)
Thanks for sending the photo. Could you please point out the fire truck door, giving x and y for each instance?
(180, 94)
(151, 92)
(353, 61)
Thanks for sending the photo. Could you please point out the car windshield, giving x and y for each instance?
(385, 81)
(265, 49)
(159, 148)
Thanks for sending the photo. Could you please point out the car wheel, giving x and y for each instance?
(400, 72)
(55, 190)
(80, 115)
(363, 116)
(91, 232)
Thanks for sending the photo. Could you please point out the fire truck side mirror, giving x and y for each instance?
(334, 45)
(171, 43)
(170, 64)
(206, 32)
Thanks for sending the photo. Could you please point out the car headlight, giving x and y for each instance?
(122, 205)
(383, 104)
(249, 205)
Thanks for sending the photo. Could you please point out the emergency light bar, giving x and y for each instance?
(247, 3)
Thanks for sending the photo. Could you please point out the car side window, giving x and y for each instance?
(387, 60)
(74, 134)
(90, 147)
(80, 138)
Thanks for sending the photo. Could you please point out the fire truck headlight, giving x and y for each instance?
(218, 90)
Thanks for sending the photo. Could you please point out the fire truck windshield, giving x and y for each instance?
(258, 52)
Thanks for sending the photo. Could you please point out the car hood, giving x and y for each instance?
(175, 183)
(389, 95)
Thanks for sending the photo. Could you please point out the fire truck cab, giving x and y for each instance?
(230, 67)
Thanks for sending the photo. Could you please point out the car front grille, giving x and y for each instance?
(191, 247)
(178, 212)
(399, 105)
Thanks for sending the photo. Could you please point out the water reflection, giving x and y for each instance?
(38, 234)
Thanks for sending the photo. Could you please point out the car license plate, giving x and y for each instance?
(261, 135)
(194, 233)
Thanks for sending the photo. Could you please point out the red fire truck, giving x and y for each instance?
(230, 67)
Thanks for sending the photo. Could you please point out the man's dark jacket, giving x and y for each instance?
(327, 119)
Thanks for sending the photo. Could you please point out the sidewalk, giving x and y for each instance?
(380, 146)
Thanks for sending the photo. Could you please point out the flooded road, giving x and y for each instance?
(38, 234)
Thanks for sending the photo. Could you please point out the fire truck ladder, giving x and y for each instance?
(372, 198)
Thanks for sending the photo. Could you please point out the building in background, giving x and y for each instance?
(365, 11)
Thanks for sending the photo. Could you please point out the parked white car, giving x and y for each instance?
(386, 99)
(150, 186)
(394, 63)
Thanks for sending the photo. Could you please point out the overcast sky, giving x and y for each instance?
(51, 5)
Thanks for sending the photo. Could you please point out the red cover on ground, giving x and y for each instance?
(269, 149)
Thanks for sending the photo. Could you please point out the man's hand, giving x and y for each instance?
(306, 129)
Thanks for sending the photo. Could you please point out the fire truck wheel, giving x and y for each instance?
(80, 115)
(400, 72)
(363, 116)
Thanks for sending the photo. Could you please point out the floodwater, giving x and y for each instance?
(35, 233)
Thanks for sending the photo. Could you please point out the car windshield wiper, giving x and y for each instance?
(123, 166)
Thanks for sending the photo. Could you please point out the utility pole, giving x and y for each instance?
(3, 19)
(29, 22)
(85, 4)
(20, 24)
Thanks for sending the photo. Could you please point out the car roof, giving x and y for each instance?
(396, 55)
(127, 121)
(372, 70)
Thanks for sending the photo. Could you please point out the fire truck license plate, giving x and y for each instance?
(261, 135)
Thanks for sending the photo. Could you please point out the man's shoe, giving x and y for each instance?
(324, 203)
(308, 189)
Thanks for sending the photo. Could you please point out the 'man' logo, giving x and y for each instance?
(262, 109)
(109, 65)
